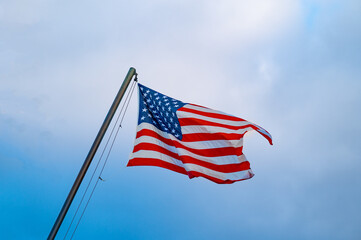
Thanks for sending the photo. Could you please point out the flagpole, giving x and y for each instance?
(92, 151)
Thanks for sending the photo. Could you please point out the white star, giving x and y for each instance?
(148, 100)
(147, 91)
(151, 106)
(176, 135)
(169, 108)
(144, 110)
(175, 125)
(167, 114)
(149, 115)
(157, 98)
(142, 118)
(155, 94)
(176, 105)
(167, 104)
(173, 131)
(171, 119)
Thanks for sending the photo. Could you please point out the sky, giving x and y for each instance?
(292, 67)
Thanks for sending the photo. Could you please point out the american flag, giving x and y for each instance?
(191, 139)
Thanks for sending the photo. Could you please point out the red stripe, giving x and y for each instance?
(200, 122)
(219, 116)
(225, 168)
(151, 133)
(172, 167)
(157, 163)
(193, 174)
(212, 115)
(195, 137)
(266, 136)
(156, 148)
(211, 152)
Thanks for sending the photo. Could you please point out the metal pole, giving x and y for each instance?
(91, 154)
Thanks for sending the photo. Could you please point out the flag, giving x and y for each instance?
(191, 139)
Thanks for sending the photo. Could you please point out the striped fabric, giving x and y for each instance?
(191, 139)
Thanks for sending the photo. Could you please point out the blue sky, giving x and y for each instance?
(293, 67)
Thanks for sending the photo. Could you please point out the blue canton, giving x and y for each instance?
(160, 110)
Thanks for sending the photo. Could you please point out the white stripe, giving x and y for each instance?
(203, 109)
(194, 167)
(149, 126)
(181, 114)
(211, 129)
(223, 176)
(222, 160)
(198, 145)
(262, 130)
(229, 159)
(193, 129)
(157, 155)
(156, 141)
(197, 129)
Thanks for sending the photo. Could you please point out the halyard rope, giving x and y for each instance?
(125, 104)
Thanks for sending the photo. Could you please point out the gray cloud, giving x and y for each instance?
(291, 67)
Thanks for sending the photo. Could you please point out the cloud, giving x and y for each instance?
(19, 13)
(64, 60)
(290, 66)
